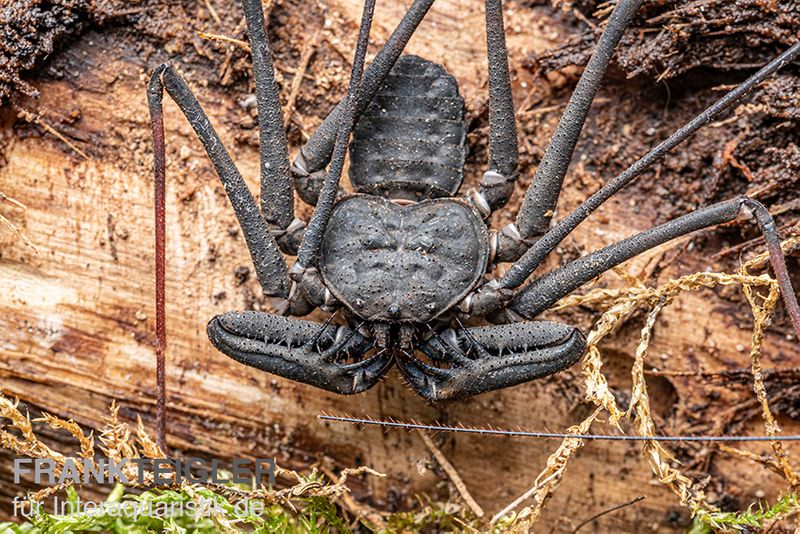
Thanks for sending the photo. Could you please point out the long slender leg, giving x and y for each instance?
(543, 292)
(309, 248)
(491, 357)
(277, 202)
(267, 259)
(534, 216)
(159, 181)
(488, 358)
(494, 294)
(299, 350)
(498, 182)
(276, 188)
(309, 166)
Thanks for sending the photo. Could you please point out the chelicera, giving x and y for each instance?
(405, 259)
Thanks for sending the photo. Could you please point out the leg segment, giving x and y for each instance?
(309, 248)
(159, 180)
(309, 166)
(498, 182)
(496, 293)
(277, 203)
(267, 259)
(492, 357)
(540, 200)
(299, 350)
(545, 291)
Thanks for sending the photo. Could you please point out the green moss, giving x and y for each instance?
(753, 517)
(190, 509)
(212, 511)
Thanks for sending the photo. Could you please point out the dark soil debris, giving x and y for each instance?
(672, 37)
(678, 59)
(31, 29)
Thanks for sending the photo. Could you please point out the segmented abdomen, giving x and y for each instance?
(410, 142)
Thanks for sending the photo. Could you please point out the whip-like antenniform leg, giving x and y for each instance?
(300, 350)
(494, 294)
(268, 261)
(543, 292)
(309, 249)
(309, 166)
(154, 98)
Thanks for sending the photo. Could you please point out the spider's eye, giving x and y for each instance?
(422, 244)
(378, 242)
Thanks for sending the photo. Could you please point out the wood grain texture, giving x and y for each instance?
(77, 319)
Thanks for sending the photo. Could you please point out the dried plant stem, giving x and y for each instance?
(28, 444)
(35, 118)
(14, 228)
(769, 463)
(14, 201)
(225, 39)
(308, 50)
(213, 12)
(610, 510)
(620, 304)
(761, 314)
(549, 479)
(452, 473)
(658, 457)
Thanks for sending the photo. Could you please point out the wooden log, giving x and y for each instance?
(77, 318)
